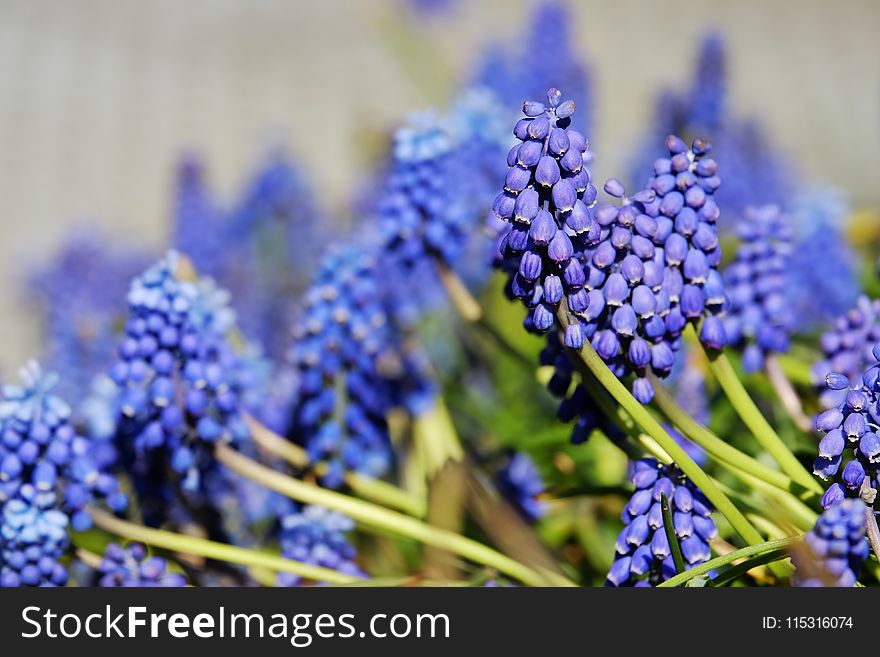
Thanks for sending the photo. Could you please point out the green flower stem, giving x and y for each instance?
(737, 571)
(653, 428)
(757, 423)
(717, 562)
(213, 550)
(379, 518)
(367, 487)
(720, 450)
(671, 538)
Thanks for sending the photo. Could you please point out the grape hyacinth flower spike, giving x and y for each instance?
(759, 317)
(40, 448)
(178, 377)
(131, 566)
(851, 425)
(317, 537)
(642, 552)
(342, 402)
(835, 549)
(547, 199)
(847, 348)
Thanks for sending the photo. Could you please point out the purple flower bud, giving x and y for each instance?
(662, 357)
(624, 321)
(543, 228)
(829, 420)
(832, 444)
(560, 249)
(606, 344)
(836, 381)
(574, 335)
(574, 274)
(558, 142)
(530, 266)
(834, 495)
(642, 390)
(547, 172)
(526, 207)
(712, 333)
(853, 475)
(613, 187)
(564, 195)
(529, 154)
(825, 468)
(533, 108)
(542, 317)
(553, 289)
(615, 290)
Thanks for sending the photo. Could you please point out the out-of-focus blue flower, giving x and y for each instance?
(339, 341)
(824, 280)
(200, 227)
(131, 566)
(40, 448)
(521, 485)
(270, 251)
(79, 295)
(847, 348)
(707, 99)
(420, 215)
(759, 318)
(642, 553)
(317, 537)
(835, 549)
(547, 200)
(850, 425)
(754, 172)
(546, 55)
(178, 378)
(33, 539)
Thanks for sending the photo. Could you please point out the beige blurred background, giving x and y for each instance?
(99, 97)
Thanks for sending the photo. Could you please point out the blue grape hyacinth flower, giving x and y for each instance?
(835, 549)
(642, 553)
(132, 566)
(33, 539)
(339, 343)
(759, 317)
(849, 451)
(179, 378)
(547, 200)
(521, 485)
(317, 537)
(39, 447)
(847, 347)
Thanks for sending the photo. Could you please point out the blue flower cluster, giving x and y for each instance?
(835, 549)
(521, 485)
(655, 267)
(131, 566)
(642, 553)
(759, 317)
(199, 227)
(78, 295)
(847, 348)
(853, 424)
(419, 214)
(339, 343)
(317, 537)
(547, 200)
(823, 266)
(33, 539)
(40, 448)
(755, 174)
(545, 56)
(177, 374)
